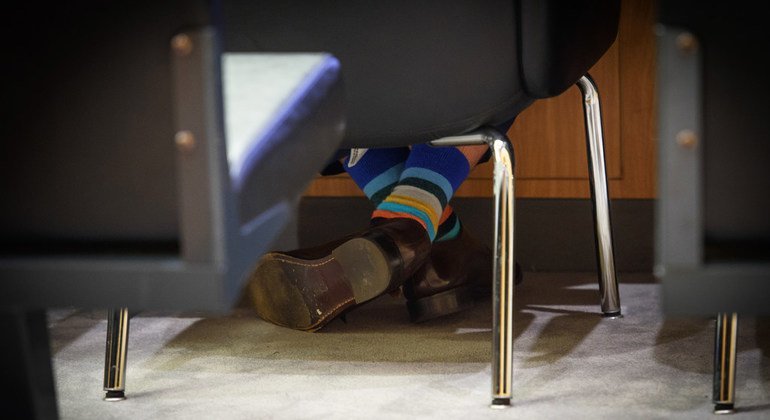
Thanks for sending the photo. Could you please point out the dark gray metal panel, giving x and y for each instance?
(712, 221)
(218, 250)
(741, 288)
(733, 36)
(179, 283)
(679, 229)
(202, 180)
(111, 282)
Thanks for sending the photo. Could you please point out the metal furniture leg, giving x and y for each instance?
(724, 363)
(115, 356)
(608, 283)
(504, 274)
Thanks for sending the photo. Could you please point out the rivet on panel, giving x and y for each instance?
(687, 139)
(182, 44)
(185, 141)
(687, 42)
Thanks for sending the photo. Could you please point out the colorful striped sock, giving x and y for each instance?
(449, 225)
(430, 177)
(377, 171)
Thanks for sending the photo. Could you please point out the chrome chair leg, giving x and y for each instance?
(725, 344)
(608, 283)
(115, 356)
(504, 273)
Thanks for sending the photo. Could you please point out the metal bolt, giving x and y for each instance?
(182, 44)
(185, 141)
(687, 43)
(687, 139)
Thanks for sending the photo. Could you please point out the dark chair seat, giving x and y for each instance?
(418, 71)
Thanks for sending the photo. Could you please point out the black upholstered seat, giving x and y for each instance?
(415, 71)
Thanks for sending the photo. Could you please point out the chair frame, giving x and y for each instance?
(504, 255)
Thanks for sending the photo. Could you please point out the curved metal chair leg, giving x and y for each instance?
(115, 355)
(605, 254)
(504, 273)
(725, 344)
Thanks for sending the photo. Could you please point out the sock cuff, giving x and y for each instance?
(449, 227)
(374, 162)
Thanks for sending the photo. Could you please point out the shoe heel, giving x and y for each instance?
(444, 303)
(366, 268)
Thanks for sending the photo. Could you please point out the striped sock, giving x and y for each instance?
(428, 181)
(449, 225)
(378, 171)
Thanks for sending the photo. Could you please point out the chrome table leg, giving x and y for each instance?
(724, 363)
(608, 283)
(115, 357)
(504, 273)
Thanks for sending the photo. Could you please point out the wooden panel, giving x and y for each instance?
(637, 107)
(333, 186)
(549, 136)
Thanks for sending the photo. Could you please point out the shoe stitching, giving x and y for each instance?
(330, 313)
(304, 264)
(314, 326)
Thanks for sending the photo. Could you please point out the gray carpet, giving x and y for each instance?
(568, 362)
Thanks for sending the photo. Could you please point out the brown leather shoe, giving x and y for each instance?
(458, 272)
(305, 289)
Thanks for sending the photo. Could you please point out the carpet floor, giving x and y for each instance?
(568, 362)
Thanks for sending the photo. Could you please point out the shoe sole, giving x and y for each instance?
(295, 293)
